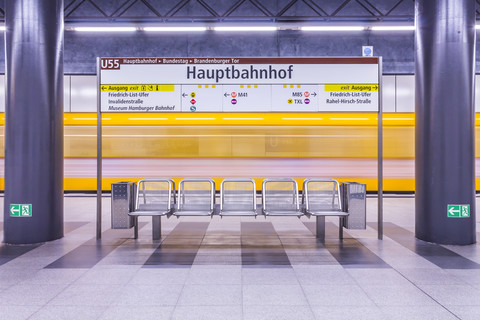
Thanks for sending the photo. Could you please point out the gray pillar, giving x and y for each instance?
(444, 128)
(34, 121)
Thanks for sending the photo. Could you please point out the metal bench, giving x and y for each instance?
(154, 198)
(321, 198)
(196, 197)
(238, 197)
(280, 197)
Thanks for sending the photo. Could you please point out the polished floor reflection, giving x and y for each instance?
(239, 268)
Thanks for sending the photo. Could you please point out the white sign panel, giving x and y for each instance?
(239, 84)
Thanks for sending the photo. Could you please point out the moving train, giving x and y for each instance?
(254, 145)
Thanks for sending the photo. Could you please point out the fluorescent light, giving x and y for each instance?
(105, 29)
(477, 26)
(393, 28)
(2, 28)
(245, 28)
(175, 29)
(333, 28)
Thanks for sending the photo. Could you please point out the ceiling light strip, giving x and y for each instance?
(105, 29)
(245, 28)
(332, 28)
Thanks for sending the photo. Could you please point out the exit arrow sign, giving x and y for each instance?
(458, 211)
(20, 210)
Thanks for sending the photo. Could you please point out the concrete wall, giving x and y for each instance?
(81, 49)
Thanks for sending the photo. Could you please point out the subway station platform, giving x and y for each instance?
(239, 268)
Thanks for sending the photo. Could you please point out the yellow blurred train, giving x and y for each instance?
(254, 145)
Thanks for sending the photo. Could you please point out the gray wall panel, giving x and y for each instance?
(66, 93)
(388, 94)
(2, 93)
(84, 94)
(405, 93)
(477, 92)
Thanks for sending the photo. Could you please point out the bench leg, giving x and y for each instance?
(156, 227)
(321, 228)
(340, 227)
(135, 228)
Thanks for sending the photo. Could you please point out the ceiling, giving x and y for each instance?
(161, 11)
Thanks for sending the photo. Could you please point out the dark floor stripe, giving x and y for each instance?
(261, 245)
(436, 254)
(349, 252)
(180, 247)
(9, 252)
(93, 251)
(73, 225)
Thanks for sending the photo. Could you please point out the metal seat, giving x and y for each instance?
(280, 197)
(154, 198)
(238, 197)
(196, 197)
(321, 198)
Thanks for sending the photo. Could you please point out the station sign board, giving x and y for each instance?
(239, 84)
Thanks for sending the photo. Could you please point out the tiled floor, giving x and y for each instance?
(239, 268)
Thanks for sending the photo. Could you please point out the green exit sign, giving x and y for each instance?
(20, 210)
(458, 210)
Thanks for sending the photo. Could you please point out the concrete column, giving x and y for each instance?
(444, 129)
(33, 121)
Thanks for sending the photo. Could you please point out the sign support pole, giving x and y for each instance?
(380, 151)
(99, 156)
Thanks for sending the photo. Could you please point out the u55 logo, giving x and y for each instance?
(110, 64)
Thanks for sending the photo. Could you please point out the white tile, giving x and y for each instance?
(137, 312)
(277, 313)
(68, 312)
(106, 276)
(453, 295)
(430, 276)
(159, 295)
(30, 294)
(87, 295)
(394, 295)
(377, 276)
(152, 276)
(465, 312)
(283, 295)
(323, 275)
(336, 295)
(215, 276)
(207, 313)
(214, 295)
(55, 276)
(348, 312)
(17, 312)
(418, 313)
(279, 276)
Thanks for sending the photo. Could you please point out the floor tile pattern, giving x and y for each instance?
(239, 268)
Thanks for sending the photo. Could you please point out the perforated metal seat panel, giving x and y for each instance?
(154, 197)
(149, 213)
(280, 197)
(193, 213)
(196, 197)
(238, 197)
(327, 213)
(322, 197)
(284, 213)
